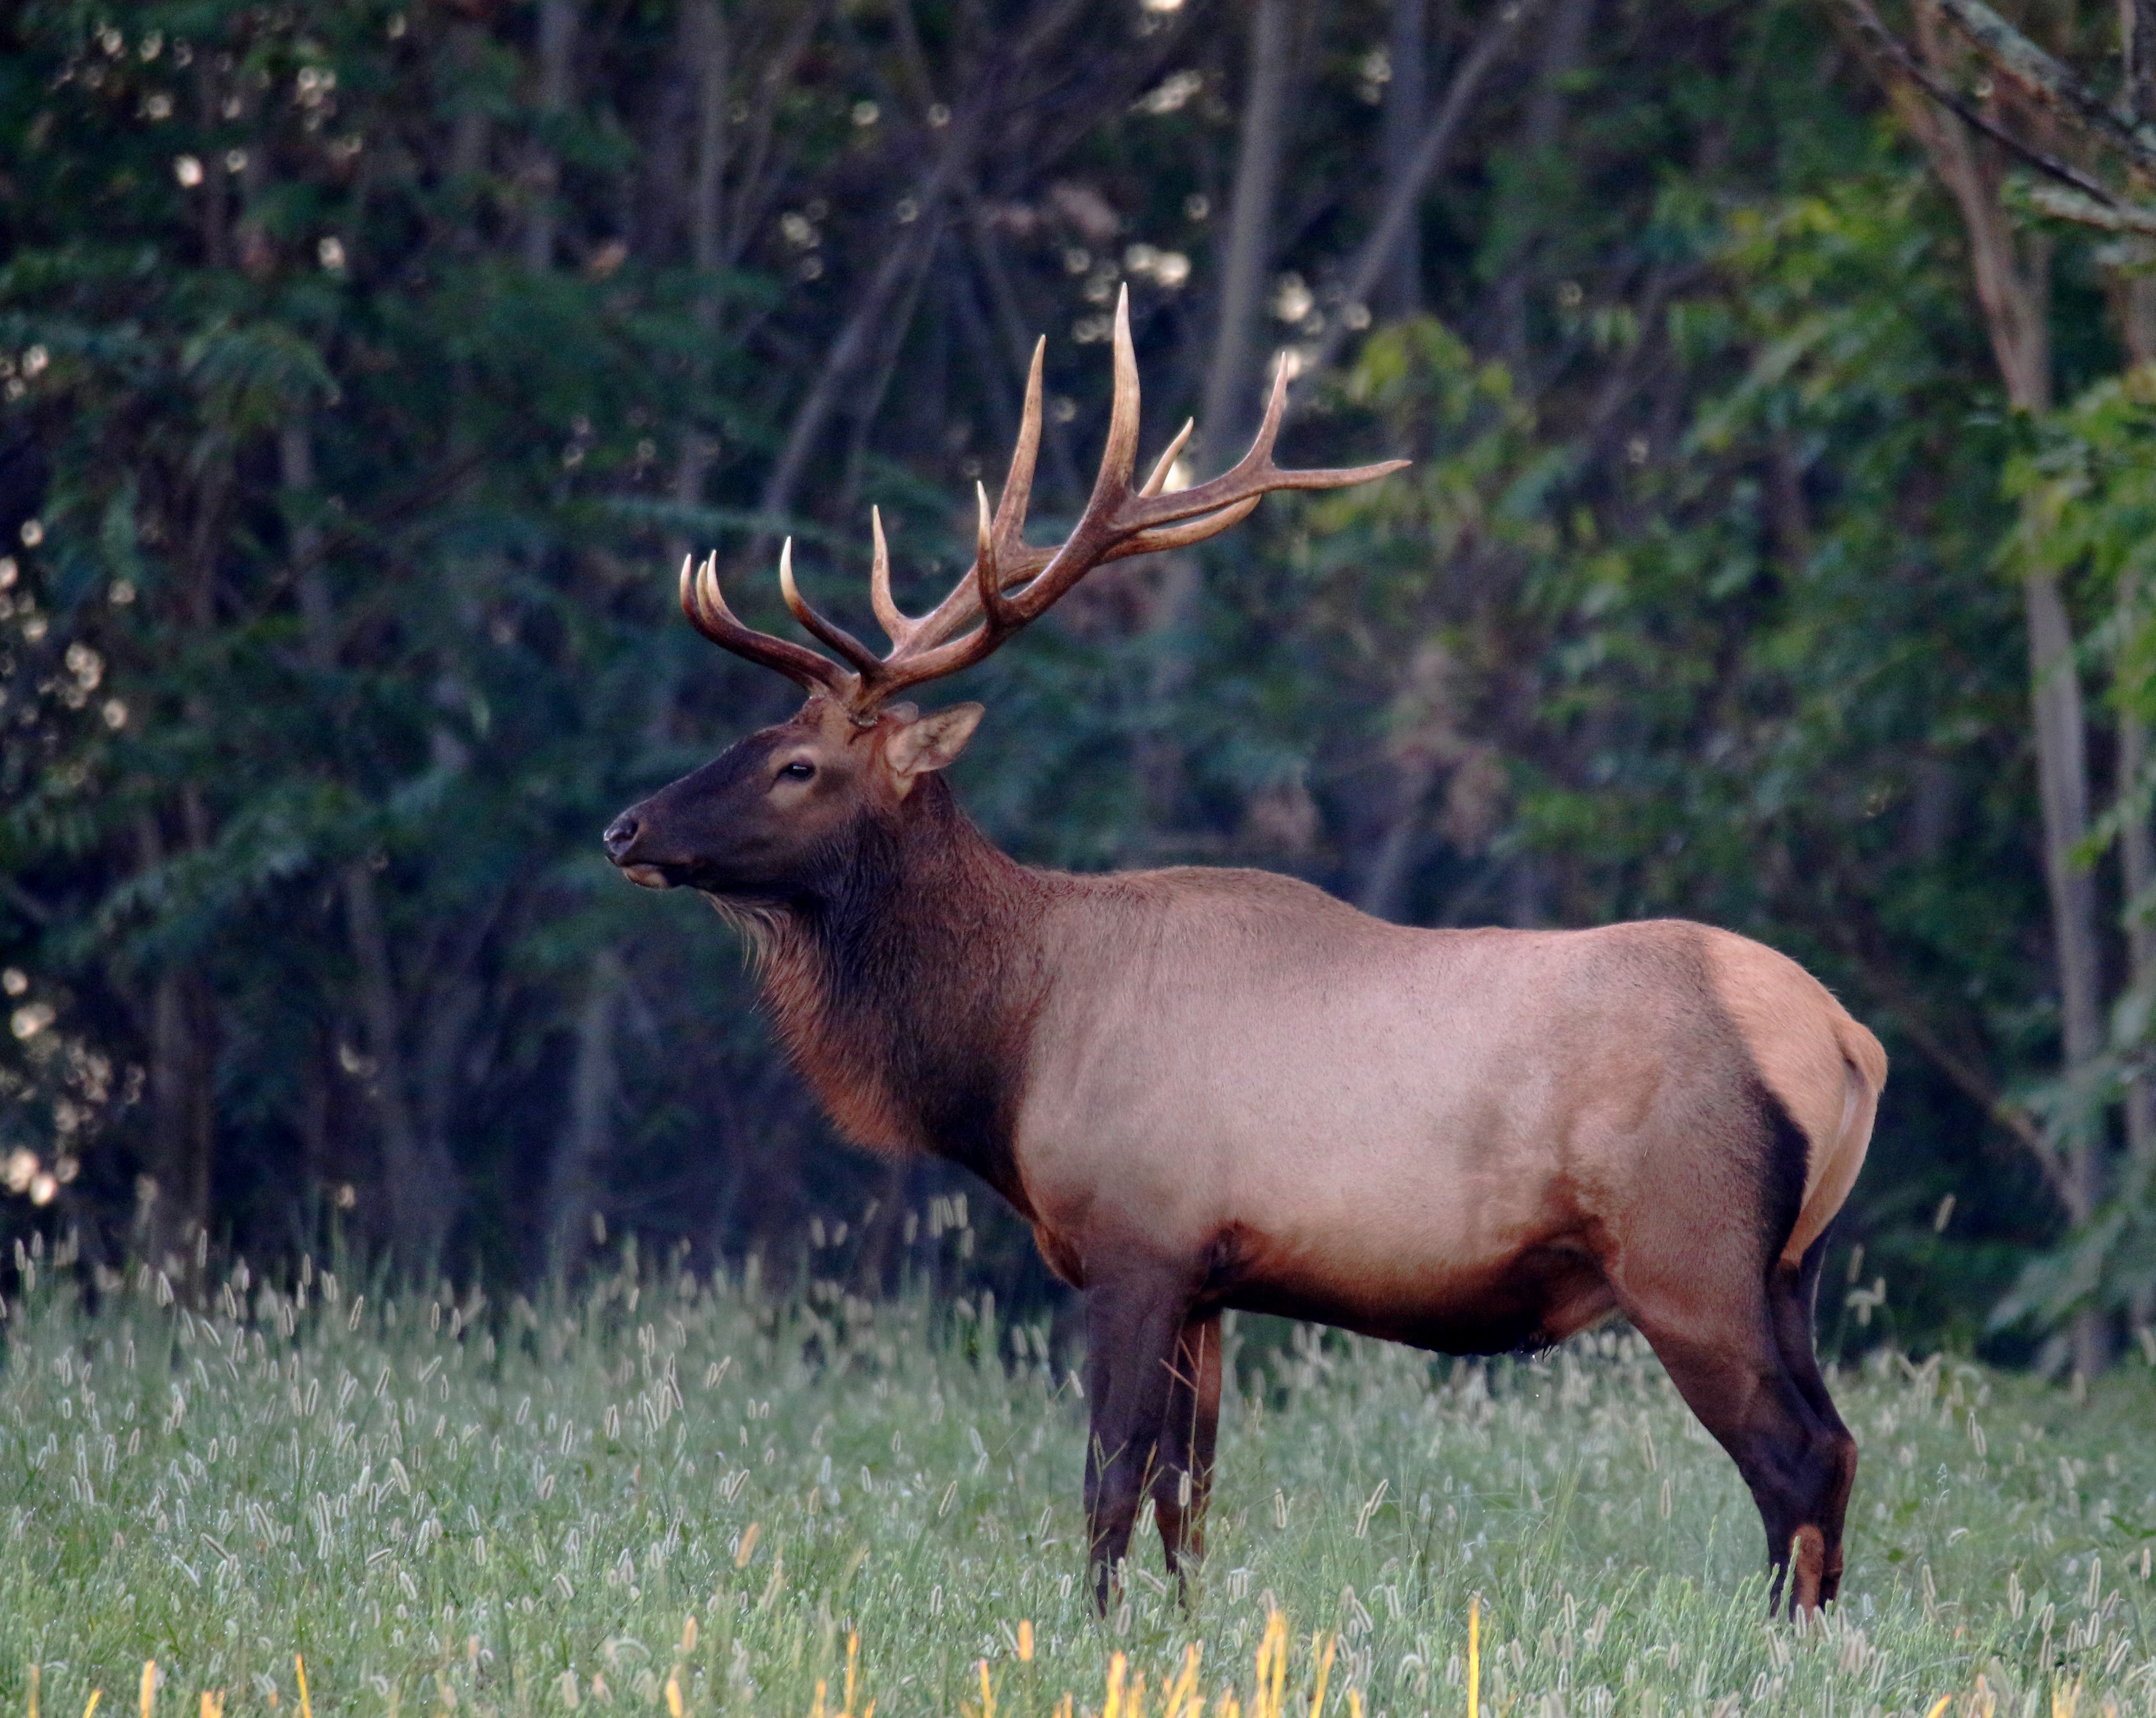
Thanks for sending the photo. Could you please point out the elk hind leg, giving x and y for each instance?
(1717, 1339)
(1792, 1294)
(1183, 1476)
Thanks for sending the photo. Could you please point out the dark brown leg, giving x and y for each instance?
(1184, 1473)
(1716, 1331)
(1791, 1296)
(1134, 1325)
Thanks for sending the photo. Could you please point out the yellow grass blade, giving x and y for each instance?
(1474, 1657)
(1324, 1674)
(673, 1693)
(90, 1710)
(1272, 1667)
(1116, 1666)
(33, 1690)
(148, 1687)
(1025, 1641)
(1186, 1691)
(299, 1669)
(852, 1662)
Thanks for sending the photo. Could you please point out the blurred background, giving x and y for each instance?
(369, 367)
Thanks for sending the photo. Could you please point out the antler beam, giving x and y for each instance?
(1012, 583)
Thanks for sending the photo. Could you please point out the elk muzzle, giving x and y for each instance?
(621, 839)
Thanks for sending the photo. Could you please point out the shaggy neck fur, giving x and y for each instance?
(905, 979)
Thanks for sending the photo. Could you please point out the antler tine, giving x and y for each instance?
(708, 613)
(999, 616)
(923, 656)
(896, 626)
(1018, 483)
(1101, 525)
(1157, 538)
(1014, 563)
(1118, 521)
(1254, 474)
(865, 661)
(1120, 455)
(1165, 462)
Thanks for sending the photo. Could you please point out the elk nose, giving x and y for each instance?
(621, 835)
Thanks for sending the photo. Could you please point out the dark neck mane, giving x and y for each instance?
(905, 983)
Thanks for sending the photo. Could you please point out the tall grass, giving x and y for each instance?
(683, 1492)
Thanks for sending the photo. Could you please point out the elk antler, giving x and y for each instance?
(1012, 583)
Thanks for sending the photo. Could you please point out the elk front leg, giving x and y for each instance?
(1132, 1327)
(1184, 1473)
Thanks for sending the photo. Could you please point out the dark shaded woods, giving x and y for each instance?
(369, 369)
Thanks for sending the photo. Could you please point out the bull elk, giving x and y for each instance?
(1212, 1089)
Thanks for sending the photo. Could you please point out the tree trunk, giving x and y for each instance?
(708, 47)
(470, 130)
(1399, 289)
(2136, 32)
(704, 30)
(183, 1108)
(573, 1181)
(542, 175)
(2137, 848)
(2012, 290)
(1230, 407)
(1540, 129)
(1397, 216)
(418, 1180)
(2137, 866)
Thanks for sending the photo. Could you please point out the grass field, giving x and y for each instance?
(684, 1492)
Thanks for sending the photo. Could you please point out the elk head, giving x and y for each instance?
(759, 822)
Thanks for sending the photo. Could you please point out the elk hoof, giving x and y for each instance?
(1807, 1568)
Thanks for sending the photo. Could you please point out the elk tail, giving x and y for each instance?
(1864, 1077)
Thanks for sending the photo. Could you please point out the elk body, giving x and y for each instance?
(1208, 1090)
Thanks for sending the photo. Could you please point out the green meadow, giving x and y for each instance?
(691, 1492)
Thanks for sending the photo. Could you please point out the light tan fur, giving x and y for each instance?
(1391, 1118)
(1830, 1082)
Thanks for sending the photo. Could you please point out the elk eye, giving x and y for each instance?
(797, 772)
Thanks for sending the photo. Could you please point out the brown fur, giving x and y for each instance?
(1210, 1089)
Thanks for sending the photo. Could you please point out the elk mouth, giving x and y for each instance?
(623, 837)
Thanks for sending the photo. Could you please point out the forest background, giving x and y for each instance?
(1773, 555)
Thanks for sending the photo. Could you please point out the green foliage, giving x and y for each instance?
(377, 378)
(2086, 482)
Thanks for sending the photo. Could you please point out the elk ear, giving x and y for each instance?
(932, 743)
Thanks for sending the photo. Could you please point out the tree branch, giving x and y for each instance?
(2072, 206)
(1889, 47)
(1406, 192)
(2044, 80)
